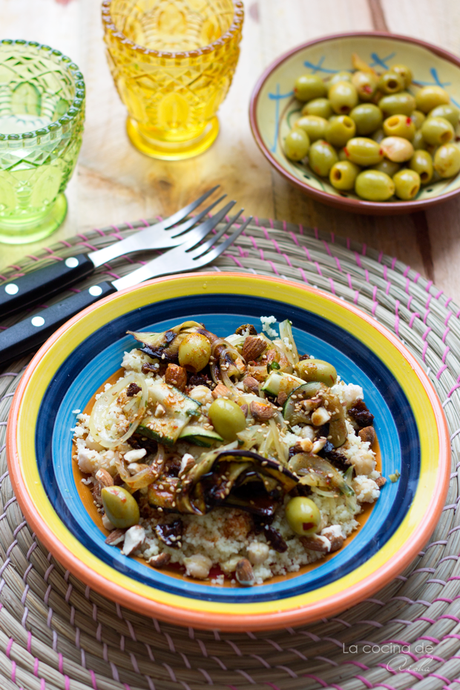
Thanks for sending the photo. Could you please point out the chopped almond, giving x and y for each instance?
(221, 391)
(104, 477)
(261, 411)
(251, 385)
(160, 561)
(176, 376)
(253, 348)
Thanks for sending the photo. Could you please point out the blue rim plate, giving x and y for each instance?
(86, 351)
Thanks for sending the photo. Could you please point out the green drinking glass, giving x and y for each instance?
(42, 110)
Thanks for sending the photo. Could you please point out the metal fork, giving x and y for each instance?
(27, 335)
(34, 286)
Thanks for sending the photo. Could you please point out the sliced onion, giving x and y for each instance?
(286, 332)
(99, 422)
(219, 349)
(279, 447)
(326, 494)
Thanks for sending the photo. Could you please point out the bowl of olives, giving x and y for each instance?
(364, 122)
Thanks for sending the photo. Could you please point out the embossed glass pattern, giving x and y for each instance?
(172, 62)
(42, 101)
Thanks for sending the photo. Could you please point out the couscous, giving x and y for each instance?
(232, 457)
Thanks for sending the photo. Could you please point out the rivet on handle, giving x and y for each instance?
(37, 321)
(71, 262)
(11, 289)
(95, 291)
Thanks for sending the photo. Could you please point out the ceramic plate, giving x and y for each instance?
(70, 367)
(274, 109)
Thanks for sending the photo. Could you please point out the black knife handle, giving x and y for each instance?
(32, 287)
(27, 335)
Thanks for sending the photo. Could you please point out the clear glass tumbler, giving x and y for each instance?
(42, 109)
(172, 62)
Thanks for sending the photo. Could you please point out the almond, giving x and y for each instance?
(303, 446)
(116, 537)
(160, 561)
(134, 537)
(104, 477)
(176, 376)
(335, 539)
(251, 385)
(367, 434)
(261, 411)
(253, 348)
(244, 573)
(221, 391)
(316, 543)
(282, 397)
(320, 416)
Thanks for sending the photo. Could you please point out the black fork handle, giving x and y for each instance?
(27, 335)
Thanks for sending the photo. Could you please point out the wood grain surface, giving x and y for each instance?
(115, 183)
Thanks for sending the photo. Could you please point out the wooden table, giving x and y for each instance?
(115, 183)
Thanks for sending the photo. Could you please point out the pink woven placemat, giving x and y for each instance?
(57, 634)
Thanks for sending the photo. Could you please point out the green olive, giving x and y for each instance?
(194, 352)
(448, 112)
(399, 126)
(342, 176)
(373, 185)
(390, 82)
(339, 76)
(386, 166)
(318, 106)
(437, 131)
(402, 103)
(418, 118)
(397, 149)
(296, 144)
(367, 117)
(363, 151)
(407, 184)
(322, 157)
(317, 369)
(378, 135)
(339, 130)
(343, 97)
(342, 155)
(418, 142)
(404, 72)
(447, 160)
(422, 163)
(312, 125)
(120, 507)
(227, 418)
(365, 84)
(309, 86)
(430, 97)
(303, 516)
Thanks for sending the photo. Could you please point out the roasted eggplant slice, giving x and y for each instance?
(211, 481)
(318, 472)
(162, 493)
(166, 345)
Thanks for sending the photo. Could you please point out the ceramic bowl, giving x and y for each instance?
(67, 371)
(273, 108)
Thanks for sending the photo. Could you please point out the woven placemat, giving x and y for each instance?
(57, 634)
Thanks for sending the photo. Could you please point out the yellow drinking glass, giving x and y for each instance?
(172, 62)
